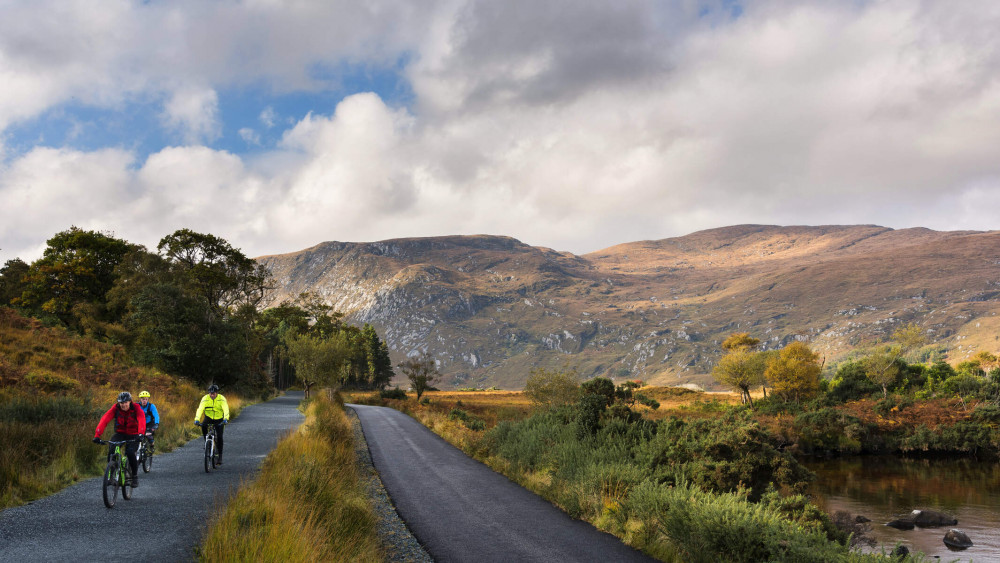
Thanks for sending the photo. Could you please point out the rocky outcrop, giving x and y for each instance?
(651, 310)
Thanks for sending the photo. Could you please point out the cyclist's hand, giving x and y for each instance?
(197, 423)
(149, 433)
(226, 421)
(97, 440)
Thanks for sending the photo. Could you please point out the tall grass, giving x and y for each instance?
(54, 386)
(307, 503)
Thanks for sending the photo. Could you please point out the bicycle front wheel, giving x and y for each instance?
(126, 481)
(147, 460)
(209, 452)
(110, 484)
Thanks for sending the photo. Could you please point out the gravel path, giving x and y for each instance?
(461, 510)
(166, 517)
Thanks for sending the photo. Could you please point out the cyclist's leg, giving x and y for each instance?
(218, 438)
(130, 450)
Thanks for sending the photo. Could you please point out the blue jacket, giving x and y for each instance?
(152, 417)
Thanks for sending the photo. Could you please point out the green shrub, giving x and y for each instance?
(851, 383)
(706, 528)
(831, 430)
(721, 455)
(49, 381)
(394, 393)
(775, 405)
(45, 408)
(648, 401)
(601, 387)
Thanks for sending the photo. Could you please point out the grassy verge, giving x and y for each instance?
(307, 503)
(54, 386)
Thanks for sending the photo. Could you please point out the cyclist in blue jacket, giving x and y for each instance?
(152, 416)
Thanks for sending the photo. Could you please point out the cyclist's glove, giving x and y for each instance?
(197, 423)
(226, 421)
(97, 440)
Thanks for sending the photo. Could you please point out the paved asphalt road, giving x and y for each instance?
(166, 517)
(461, 510)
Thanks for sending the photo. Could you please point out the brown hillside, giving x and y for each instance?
(492, 308)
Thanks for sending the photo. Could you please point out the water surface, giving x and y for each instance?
(886, 487)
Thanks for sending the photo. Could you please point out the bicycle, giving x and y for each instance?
(116, 475)
(211, 454)
(145, 454)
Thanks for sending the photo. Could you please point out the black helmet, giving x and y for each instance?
(213, 388)
(124, 396)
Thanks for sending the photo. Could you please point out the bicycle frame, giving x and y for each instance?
(211, 453)
(116, 475)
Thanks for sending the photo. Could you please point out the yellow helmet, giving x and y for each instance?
(143, 394)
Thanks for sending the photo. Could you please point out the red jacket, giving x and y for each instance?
(132, 421)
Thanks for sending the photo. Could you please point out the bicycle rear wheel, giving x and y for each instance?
(209, 452)
(147, 460)
(109, 487)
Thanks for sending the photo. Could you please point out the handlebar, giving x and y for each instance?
(117, 442)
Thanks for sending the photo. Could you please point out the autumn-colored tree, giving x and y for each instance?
(741, 369)
(795, 372)
(743, 342)
(987, 361)
(738, 340)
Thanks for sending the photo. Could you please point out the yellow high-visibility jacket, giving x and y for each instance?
(217, 409)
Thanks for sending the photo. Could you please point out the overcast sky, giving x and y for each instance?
(572, 124)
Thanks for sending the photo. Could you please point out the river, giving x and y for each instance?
(883, 488)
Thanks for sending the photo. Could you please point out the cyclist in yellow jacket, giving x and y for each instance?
(216, 411)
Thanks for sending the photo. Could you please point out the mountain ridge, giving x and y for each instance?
(491, 308)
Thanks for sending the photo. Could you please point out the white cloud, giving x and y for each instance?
(572, 127)
(250, 136)
(194, 114)
(267, 117)
(50, 190)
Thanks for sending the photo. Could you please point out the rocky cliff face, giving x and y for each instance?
(492, 308)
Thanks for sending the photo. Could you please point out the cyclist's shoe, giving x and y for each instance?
(135, 480)
(218, 460)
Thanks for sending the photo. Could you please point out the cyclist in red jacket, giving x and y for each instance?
(130, 422)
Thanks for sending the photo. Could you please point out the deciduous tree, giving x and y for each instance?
(421, 371)
(552, 388)
(740, 370)
(317, 359)
(795, 372)
(882, 365)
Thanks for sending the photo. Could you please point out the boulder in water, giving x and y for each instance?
(956, 539)
(932, 519)
(901, 524)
